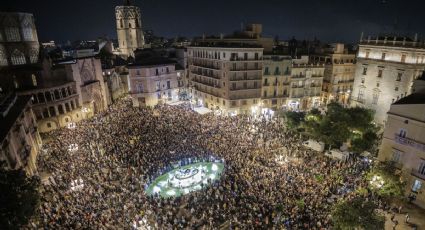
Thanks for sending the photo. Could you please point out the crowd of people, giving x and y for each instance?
(270, 179)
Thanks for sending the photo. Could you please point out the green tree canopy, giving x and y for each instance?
(357, 214)
(393, 186)
(19, 198)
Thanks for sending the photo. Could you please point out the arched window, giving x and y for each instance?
(40, 97)
(34, 80)
(57, 95)
(68, 109)
(34, 55)
(27, 34)
(60, 109)
(12, 34)
(3, 58)
(17, 58)
(48, 96)
(129, 25)
(121, 23)
(52, 111)
(64, 94)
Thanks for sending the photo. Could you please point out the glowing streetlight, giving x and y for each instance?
(377, 181)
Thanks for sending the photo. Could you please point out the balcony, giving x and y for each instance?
(241, 89)
(245, 79)
(244, 59)
(213, 76)
(297, 86)
(206, 66)
(245, 69)
(416, 173)
(299, 76)
(409, 142)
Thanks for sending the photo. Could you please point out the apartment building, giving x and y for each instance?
(226, 77)
(276, 81)
(403, 143)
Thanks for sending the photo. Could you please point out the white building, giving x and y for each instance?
(385, 70)
(154, 81)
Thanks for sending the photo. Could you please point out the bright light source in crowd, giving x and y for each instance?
(212, 176)
(171, 192)
(73, 147)
(214, 167)
(71, 125)
(377, 181)
(85, 110)
(156, 189)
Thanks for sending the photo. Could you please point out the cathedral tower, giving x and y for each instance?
(129, 28)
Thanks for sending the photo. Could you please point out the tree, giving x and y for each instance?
(19, 198)
(357, 214)
(385, 174)
(294, 119)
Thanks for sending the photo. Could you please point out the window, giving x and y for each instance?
(421, 169)
(243, 102)
(256, 56)
(265, 93)
(383, 56)
(402, 133)
(377, 84)
(3, 58)
(416, 186)
(403, 58)
(360, 96)
(233, 85)
(245, 56)
(367, 54)
(396, 155)
(277, 71)
(399, 76)
(168, 85)
(375, 98)
(34, 80)
(67, 107)
(139, 87)
(12, 34)
(167, 70)
(158, 85)
(17, 58)
(255, 84)
(129, 25)
(156, 72)
(380, 73)
(266, 83)
(266, 70)
(121, 23)
(49, 125)
(245, 85)
(137, 72)
(27, 34)
(34, 55)
(362, 80)
(52, 111)
(396, 88)
(364, 70)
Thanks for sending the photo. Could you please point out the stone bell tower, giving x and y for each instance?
(129, 28)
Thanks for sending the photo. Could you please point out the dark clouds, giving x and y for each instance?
(330, 20)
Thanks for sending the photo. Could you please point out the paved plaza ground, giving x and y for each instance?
(417, 218)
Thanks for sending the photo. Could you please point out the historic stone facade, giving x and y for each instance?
(129, 28)
(18, 39)
(385, 70)
(70, 91)
(19, 137)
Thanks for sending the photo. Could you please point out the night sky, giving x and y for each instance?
(328, 20)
